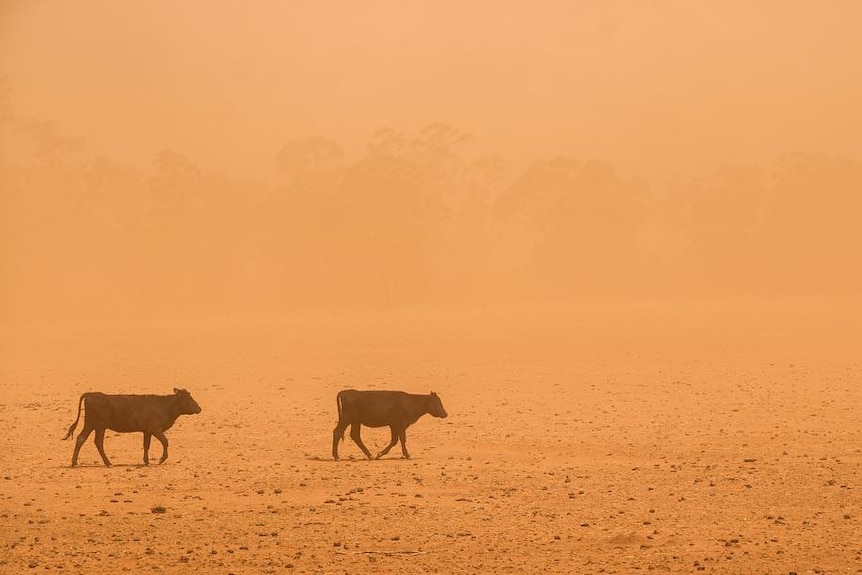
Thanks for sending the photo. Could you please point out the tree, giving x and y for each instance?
(726, 228)
(584, 221)
(812, 224)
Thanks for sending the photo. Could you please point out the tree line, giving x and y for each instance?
(415, 219)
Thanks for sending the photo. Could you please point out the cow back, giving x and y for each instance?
(378, 408)
(128, 413)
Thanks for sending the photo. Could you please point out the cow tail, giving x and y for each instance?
(72, 427)
(338, 402)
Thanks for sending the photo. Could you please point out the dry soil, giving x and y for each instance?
(618, 439)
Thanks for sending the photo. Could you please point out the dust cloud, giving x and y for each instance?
(199, 160)
(619, 238)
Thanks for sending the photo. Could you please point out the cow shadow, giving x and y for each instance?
(352, 459)
(102, 466)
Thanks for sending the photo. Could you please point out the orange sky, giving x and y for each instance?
(656, 86)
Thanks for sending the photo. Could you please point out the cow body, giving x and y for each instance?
(395, 409)
(151, 415)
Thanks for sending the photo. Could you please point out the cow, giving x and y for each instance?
(397, 409)
(150, 414)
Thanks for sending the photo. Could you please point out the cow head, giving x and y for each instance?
(188, 406)
(435, 406)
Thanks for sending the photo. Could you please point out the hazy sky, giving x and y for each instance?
(655, 85)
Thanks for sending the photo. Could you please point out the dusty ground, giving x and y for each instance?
(719, 439)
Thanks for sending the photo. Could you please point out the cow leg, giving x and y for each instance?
(82, 437)
(337, 435)
(392, 443)
(147, 438)
(164, 440)
(402, 435)
(100, 445)
(354, 435)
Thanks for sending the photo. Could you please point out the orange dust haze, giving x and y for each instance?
(214, 158)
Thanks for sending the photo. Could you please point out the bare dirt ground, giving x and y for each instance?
(722, 439)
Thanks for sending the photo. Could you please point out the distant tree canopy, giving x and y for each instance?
(417, 219)
(584, 220)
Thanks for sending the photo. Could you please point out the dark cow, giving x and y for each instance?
(150, 414)
(396, 409)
